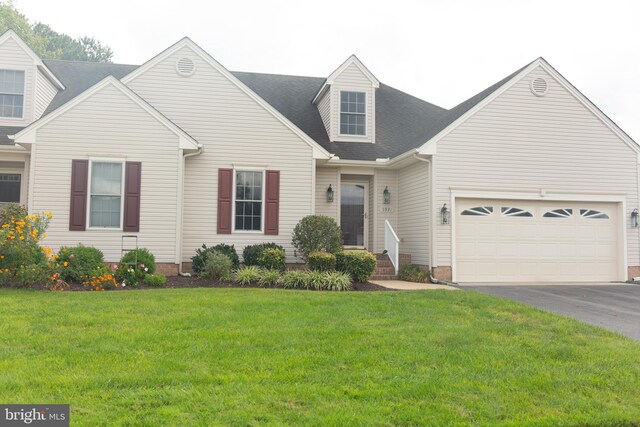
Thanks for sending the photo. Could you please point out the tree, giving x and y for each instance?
(48, 43)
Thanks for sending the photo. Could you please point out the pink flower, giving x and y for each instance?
(114, 266)
(57, 275)
(141, 265)
(72, 256)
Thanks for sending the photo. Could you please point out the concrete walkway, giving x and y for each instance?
(401, 285)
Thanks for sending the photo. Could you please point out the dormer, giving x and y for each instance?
(347, 101)
(27, 86)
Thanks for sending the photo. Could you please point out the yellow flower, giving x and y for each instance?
(65, 263)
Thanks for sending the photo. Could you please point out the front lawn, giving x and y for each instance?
(260, 356)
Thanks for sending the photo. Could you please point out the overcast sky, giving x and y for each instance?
(443, 52)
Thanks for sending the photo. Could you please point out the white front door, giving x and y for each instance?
(536, 241)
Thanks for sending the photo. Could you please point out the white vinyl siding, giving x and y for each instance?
(13, 57)
(324, 178)
(109, 125)
(236, 131)
(352, 80)
(520, 141)
(324, 107)
(44, 93)
(381, 212)
(414, 212)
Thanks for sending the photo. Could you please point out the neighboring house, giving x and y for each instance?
(538, 184)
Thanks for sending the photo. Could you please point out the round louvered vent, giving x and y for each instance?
(185, 67)
(539, 86)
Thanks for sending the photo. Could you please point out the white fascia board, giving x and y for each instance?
(11, 35)
(28, 134)
(323, 90)
(13, 149)
(318, 151)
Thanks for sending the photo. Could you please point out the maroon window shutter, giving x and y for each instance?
(225, 199)
(79, 184)
(272, 200)
(132, 179)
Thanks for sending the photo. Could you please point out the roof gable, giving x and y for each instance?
(11, 35)
(352, 60)
(28, 134)
(318, 150)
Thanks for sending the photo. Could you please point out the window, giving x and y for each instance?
(10, 188)
(507, 211)
(11, 93)
(105, 197)
(478, 211)
(248, 200)
(592, 214)
(352, 113)
(559, 213)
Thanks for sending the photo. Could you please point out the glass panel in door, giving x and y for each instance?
(352, 214)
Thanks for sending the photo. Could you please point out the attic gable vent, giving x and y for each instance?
(185, 67)
(539, 86)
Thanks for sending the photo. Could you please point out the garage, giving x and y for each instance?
(536, 241)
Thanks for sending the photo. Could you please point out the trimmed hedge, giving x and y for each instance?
(140, 257)
(317, 233)
(200, 257)
(251, 253)
(217, 266)
(321, 261)
(272, 259)
(359, 264)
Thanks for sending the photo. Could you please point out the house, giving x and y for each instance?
(525, 181)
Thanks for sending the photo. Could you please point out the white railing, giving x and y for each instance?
(392, 244)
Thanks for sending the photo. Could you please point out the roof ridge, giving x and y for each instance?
(277, 74)
(75, 61)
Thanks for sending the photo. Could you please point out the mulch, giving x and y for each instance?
(177, 282)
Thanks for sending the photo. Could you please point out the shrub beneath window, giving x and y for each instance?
(321, 261)
(142, 258)
(157, 279)
(360, 265)
(198, 260)
(12, 211)
(251, 253)
(272, 259)
(317, 233)
(413, 273)
(247, 275)
(217, 266)
(269, 278)
(77, 263)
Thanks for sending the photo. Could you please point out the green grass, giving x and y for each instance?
(264, 356)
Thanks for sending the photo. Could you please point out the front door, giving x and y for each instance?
(353, 196)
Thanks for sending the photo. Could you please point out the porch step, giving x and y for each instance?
(383, 277)
(385, 269)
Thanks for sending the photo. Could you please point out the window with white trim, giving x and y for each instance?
(353, 113)
(11, 93)
(248, 197)
(105, 194)
(10, 188)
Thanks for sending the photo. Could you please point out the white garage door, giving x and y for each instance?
(534, 241)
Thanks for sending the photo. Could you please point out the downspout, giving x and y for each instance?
(181, 208)
(432, 217)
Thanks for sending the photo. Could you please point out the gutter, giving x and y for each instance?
(180, 228)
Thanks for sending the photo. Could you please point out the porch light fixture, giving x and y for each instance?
(329, 194)
(444, 214)
(634, 218)
(386, 196)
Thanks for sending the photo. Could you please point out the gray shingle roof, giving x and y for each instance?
(5, 131)
(403, 122)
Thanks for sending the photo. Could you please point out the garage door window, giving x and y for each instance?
(559, 213)
(478, 211)
(591, 214)
(517, 212)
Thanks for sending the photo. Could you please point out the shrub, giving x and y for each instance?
(100, 280)
(77, 263)
(272, 259)
(251, 253)
(321, 261)
(247, 275)
(317, 233)
(198, 260)
(142, 258)
(129, 275)
(359, 264)
(157, 279)
(22, 260)
(12, 211)
(217, 266)
(336, 281)
(413, 273)
(269, 278)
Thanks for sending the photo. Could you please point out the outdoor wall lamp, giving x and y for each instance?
(386, 196)
(634, 218)
(444, 214)
(329, 194)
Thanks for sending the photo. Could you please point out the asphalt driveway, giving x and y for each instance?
(615, 307)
